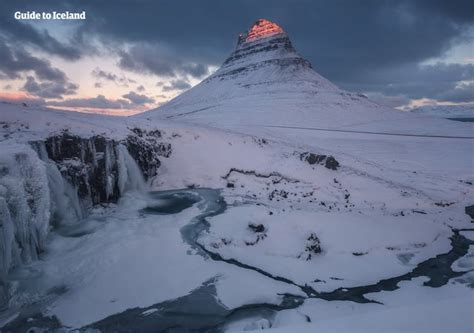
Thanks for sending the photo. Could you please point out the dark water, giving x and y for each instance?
(200, 311)
(170, 202)
(466, 120)
(197, 312)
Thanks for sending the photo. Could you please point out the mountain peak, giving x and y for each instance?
(261, 29)
(266, 50)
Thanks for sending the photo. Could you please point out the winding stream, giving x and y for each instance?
(200, 310)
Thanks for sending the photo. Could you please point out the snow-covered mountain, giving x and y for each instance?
(265, 83)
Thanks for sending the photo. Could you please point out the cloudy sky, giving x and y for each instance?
(129, 56)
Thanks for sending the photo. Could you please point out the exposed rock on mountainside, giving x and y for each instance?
(262, 28)
(265, 47)
(328, 161)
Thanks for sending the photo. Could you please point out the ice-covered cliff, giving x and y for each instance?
(48, 183)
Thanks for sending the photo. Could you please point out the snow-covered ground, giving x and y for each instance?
(388, 207)
(379, 242)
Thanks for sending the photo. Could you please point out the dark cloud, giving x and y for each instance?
(461, 93)
(14, 62)
(137, 98)
(140, 88)
(49, 89)
(196, 70)
(357, 44)
(97, 85)
(108, 76)
(98, 73)
(176, 85)
(154, 59)
(26, 34)
(346, 41)
(99, 102)
(438, 81)
(207, 30)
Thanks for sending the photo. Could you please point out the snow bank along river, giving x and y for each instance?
(185, 212)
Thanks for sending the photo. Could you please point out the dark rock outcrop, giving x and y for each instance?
(91, 164)
(260, 234)
(469, 210)
(328, 161)
(313, 247)
(145, 147)
(257, 227)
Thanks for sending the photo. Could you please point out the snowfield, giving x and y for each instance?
(284, 204)
(379, 220)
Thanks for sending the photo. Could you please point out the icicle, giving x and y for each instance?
(26, 193)
(93, 152)
(83, 153)
(54, 147)
(40, 148)
(130, 177)
(65, 204)
(6, 237)
(109, 162)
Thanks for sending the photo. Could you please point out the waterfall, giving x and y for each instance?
(47, 186)
(65, 205)
(130, 177)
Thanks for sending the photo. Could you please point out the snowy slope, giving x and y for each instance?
(27, 123)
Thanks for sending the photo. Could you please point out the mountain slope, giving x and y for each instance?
(265, 82)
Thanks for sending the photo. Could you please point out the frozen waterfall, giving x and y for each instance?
(130, 177)
(36, 195)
